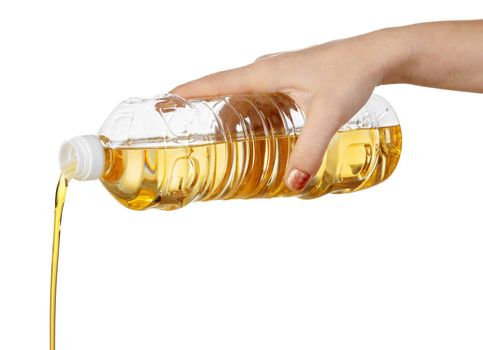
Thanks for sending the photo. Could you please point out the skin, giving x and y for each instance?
(332, 81)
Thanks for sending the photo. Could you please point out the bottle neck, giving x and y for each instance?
(82, 158)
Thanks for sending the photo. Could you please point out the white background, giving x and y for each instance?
(398, 266)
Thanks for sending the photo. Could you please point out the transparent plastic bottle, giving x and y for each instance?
(166, 152)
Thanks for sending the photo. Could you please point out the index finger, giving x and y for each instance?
(255, 77)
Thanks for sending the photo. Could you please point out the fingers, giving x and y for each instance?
(255, 77)
(310, 147)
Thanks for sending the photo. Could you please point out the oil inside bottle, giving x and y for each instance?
(171, 177)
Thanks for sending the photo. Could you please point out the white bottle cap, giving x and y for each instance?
(82, 158)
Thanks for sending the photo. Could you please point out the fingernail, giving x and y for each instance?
(297, 179)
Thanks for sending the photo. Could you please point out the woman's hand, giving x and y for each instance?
(332, 81)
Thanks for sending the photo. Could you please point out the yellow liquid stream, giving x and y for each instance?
(169, 178)
(59, 206)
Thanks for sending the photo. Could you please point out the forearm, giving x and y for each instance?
(446, 55)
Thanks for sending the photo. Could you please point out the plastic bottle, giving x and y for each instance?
(166, 152)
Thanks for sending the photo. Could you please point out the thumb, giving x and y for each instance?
(307, 155)
(255, 77)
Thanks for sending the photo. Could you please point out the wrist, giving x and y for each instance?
(396, 52)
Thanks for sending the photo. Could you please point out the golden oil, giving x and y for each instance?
(144, 172)
(59, 206)
(171, 177)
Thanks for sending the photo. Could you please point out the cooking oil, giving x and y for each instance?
(59, 207)
(166, 152)
(169, 178)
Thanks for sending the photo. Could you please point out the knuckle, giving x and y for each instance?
(306, 155)
(214, 78)
(260, 58)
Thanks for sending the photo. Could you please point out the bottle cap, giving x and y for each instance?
(82, 158)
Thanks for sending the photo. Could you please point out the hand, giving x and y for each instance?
(332, 81)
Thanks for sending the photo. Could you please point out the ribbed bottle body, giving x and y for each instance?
(234, 147)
